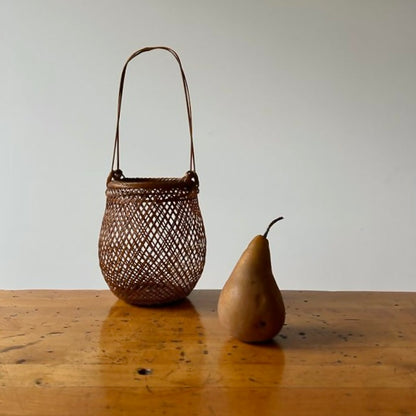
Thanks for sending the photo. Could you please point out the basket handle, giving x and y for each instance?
(116, 151)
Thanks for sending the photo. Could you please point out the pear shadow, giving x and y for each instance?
(309, 325)
(314, 335)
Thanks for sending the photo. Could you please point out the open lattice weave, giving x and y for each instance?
(152, 242)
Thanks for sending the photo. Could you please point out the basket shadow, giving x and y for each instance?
(150, 349)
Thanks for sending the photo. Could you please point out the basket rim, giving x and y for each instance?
(189, 181)
(148, 183)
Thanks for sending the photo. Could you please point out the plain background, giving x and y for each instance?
(304, 109)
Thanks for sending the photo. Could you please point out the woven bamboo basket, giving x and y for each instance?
(152, 241)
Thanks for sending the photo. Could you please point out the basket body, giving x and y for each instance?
(152, 241)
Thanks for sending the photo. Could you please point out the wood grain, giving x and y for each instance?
(85, 352)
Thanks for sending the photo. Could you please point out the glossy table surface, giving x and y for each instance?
(87, 353)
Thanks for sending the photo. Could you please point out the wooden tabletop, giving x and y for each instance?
(86, 353)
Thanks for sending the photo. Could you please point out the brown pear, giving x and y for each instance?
(250, 305)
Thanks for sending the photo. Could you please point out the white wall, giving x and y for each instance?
(301, 108)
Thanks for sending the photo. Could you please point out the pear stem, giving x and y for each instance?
(270, 226)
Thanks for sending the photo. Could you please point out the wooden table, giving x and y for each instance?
(86, 353)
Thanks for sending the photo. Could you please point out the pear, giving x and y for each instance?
(250, 305)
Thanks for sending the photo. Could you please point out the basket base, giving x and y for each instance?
(157, 295)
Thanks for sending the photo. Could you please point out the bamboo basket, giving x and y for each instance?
(152, 242)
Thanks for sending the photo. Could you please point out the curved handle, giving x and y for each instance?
(116, 150)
